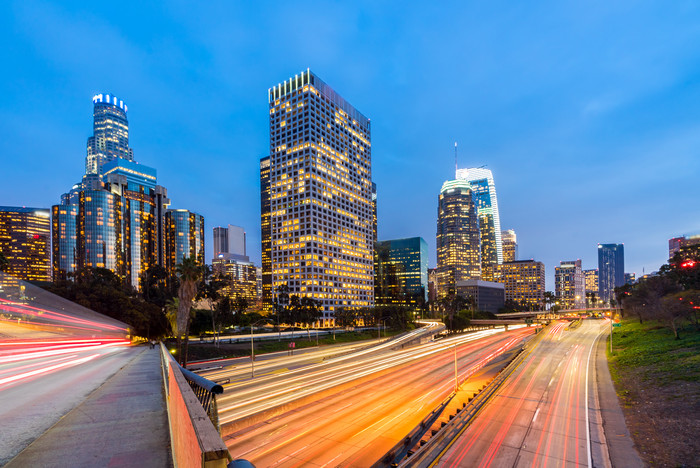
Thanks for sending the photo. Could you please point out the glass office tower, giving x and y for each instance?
(458, 240)
(484, 195)
(265, 234)
(25, 242)
(185, 237)
(611, 270)
(110, 139)
(401, 272)
(320, 179)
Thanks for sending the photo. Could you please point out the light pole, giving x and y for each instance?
(252, 349)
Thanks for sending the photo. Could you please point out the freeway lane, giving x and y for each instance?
(41, 380)
(540, 417)
(357, 424)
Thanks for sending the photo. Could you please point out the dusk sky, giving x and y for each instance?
(588, 113)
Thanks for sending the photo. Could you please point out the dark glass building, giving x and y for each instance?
(265, 234)
(401, 272)
(25, 235)
(611, 269)
(457, 239)
(185, 237)
(488, 296)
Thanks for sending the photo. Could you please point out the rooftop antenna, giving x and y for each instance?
(455, 158)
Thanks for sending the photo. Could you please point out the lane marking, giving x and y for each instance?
(588, 427)
(536, 413)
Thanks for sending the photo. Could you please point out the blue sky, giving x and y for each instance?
(586, 112)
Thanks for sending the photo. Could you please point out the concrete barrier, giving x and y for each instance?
(194, 441)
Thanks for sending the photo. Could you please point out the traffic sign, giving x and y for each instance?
(616, 324)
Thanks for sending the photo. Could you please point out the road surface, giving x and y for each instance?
(385, 396)
(41, 380)
(541, 416)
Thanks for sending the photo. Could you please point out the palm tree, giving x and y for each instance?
(4, 263)
(189, 272)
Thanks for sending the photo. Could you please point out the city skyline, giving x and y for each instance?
(232, 140)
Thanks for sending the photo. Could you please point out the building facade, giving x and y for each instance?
(682, 244)
(401, 272)
(509, 242)
(184, 237)
(25, 242)
(570, 285)
(230, 240)
(523, 280)
(458, 241)
(611, 270)
(320, 197)
(110, 139)
(590, 279)
(489, 296)
(240, 277)
(484, 197)
(265, 235)
(630, 278)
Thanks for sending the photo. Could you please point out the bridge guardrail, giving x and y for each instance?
(194, 437)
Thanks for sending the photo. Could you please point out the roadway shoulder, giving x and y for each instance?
(621, 448)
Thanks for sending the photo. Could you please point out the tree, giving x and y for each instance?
(239, 305)
(281, 303)
(189, 272)
(549, 299)
(4, 262)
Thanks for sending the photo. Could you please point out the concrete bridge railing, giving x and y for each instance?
(195, 441)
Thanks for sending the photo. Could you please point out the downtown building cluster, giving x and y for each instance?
(117, 217)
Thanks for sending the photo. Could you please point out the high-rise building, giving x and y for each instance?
(523, 281)
(484, 197)
(611, 270)
(432, 284)
(265, 234)
(457, 239)
(320, 183)
(230, 242)
(509, 243)
(590, 278)
(569, 285)
(110, 139)
(241, 278)
(184, 237)
(25, 235)
(401, 272)
(115, 218)
(682, 244)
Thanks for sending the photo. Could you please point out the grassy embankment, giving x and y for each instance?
(199, 351)
(658, 381)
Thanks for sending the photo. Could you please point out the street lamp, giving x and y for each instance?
(252, 349)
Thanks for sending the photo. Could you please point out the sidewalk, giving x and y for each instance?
(123, 423)
(619, 442)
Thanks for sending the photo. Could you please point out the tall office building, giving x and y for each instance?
(110, 139)
(401, 272)
(25, 239)
(240, 278)
(115, 218)
(265, 235)
(374, 212)
(591, 281)
(484, 197)
(509, 243)
(569, 285)
(320, 196)
(523, 281)
(611, 270)
(457, 239)
(184, 237)
(231, 242)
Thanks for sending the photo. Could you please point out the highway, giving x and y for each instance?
(41, 380)
(541, 416)
(350, 410)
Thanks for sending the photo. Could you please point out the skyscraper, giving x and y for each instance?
(110, 138)
(401, 272)
(457, 239)
(569, 285)
(320, 185)
(611, 269)
(591, 281)
(25, 239)
(509, 242)
(184, 237)
(265, 234)
(231, 241)
(484, 196)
